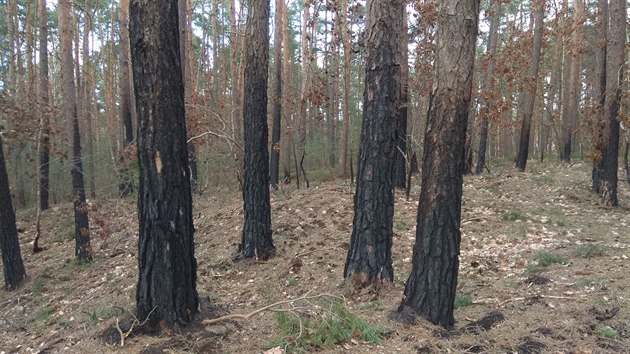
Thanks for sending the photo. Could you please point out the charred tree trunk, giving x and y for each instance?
(600, 90)
(274, 164)
(166, 250)
(402, 159)
(83, 249)
(14, 271)
(526, 104)
(369, 259)
(615, 58)
(44, 143)
(488, 86)
(256, 241)
(430, 289)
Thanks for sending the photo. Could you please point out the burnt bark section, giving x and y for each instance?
(125, 177)
(626, 166)
(256, 241)
(166, 251)
(274, 164)
(430, 289)
(526, 106)
(488, 86)
(44, 143)
(402, 158)
(83, 250)
(14, 271)
(615, 57)
(599, 149)
(369, 259)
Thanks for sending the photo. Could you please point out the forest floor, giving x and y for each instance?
(538, 253)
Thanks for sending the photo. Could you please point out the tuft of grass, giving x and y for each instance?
(513, 215)
(546, 180)
(463, 300)
(103, 314)
(400, 225)
(588, 251)
(308, 332)
(43, 316)
(38, 287)
(545, 259)
(606, 332)
(292, 282)
(584, 283)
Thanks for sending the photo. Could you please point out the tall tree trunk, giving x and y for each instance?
(526, 102)
(347, 58)
(430, 289)
(236, 117)
(83, 249)
(600, 90)
(44, 143)
(166, 288)
(274, 164)
(11, 37)
(256, 241)
(287, 102)
(400, 175)
(125, 80)
(88, 102)
(369, 259)
(570, 107)
(13, 266)
(615, 59)
(488, 85)
(305, 91)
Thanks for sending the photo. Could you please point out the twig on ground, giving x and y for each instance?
(136, 321)
(534, 297)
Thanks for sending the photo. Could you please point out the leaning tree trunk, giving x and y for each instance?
(615, 58)
(526, 104)
(166, 249)
(274, 164)
(488, 86)
(256, 241)
(14, 271)
(369, 259)
(600, 90)
(83, 249)
(430, 289)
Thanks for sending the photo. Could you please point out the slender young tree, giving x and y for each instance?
(166, 249)
(615, 59)
(44, 142)
(526, 101)
(369, 259)
(83, 249)
(256, 241)
(430, 289)
(14, 271)
(347, 58)
(600, 91)
(274, 164)
(488, 83)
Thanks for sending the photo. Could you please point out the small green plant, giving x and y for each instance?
(543, 180)
(400, 225)
(102, 314)
(606, 332)
(42, 316)
(545, 259)
(463, 300)
(533, 268)
(588, 251)
(513, 215)
(333, 323)
(38, 287)
(584, 283)
(292, 282)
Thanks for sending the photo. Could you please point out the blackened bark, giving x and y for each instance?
(166, 286)
(274, 164)
(256, 240)
(615, 58)
(626, 166)
(369, 259)
(430, 289)
(526, 104)
(402, 158)
(599, 150)
(488, 86)
(83, 250)
(44, 143)
(14, 271)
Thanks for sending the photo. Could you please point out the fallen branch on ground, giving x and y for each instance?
(136, 321)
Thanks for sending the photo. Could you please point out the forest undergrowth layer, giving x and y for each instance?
(543, 268)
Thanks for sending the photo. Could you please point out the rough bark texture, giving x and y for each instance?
(14, 271)
(44, 142)
(274, 164)
(488, 86)
(526, 105)
(369, 259)
(125, 81)
(83, 250)
(615, 58)
(236, 97)
(304, 97)
(287, 105)
(166, 250)
(400, 176)
(430, 289)
(256, 240)
(347, 57)
(600, 90)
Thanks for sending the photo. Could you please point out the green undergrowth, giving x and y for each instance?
(327, 323)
